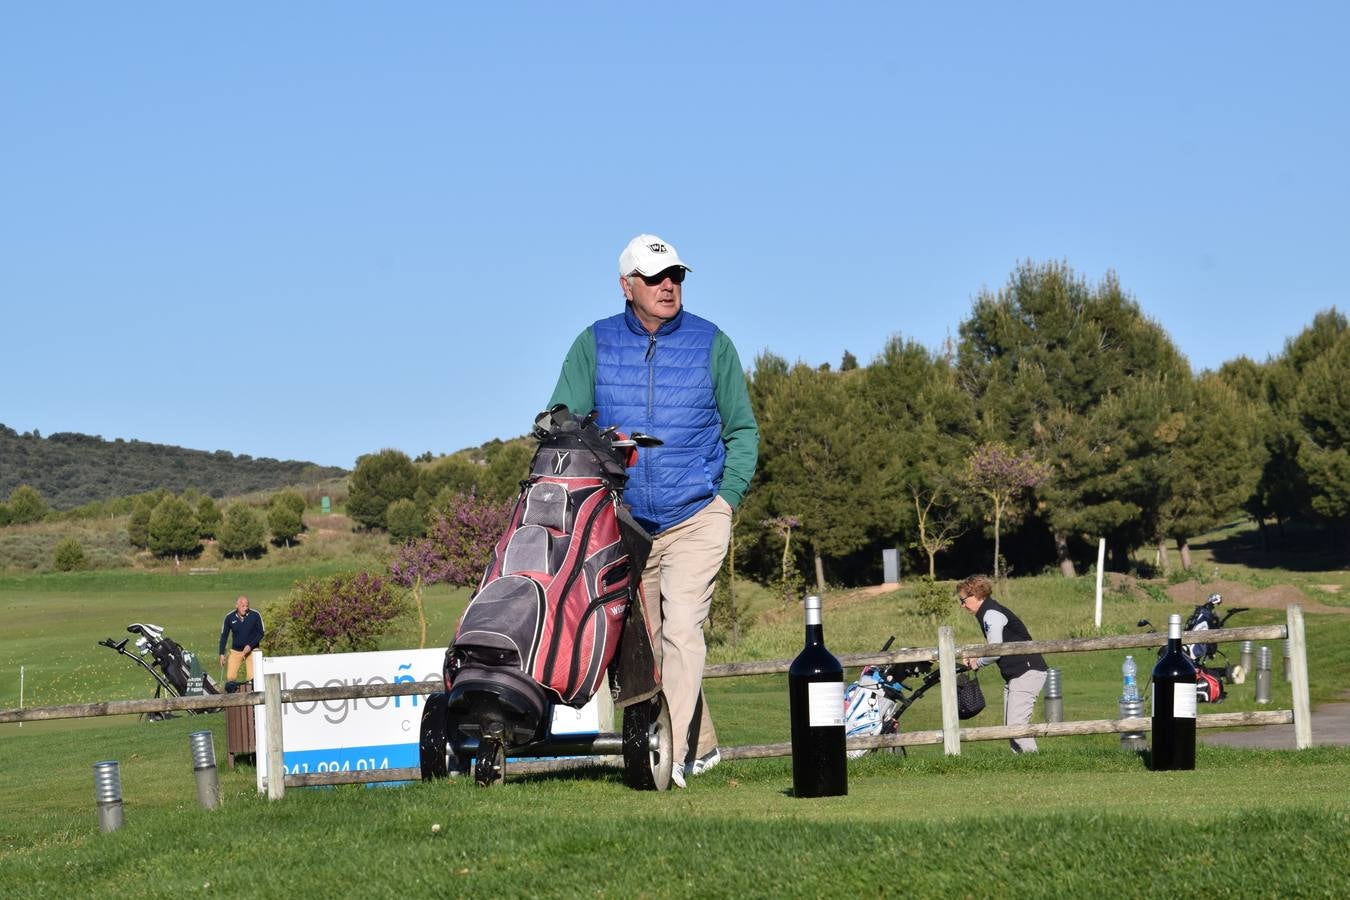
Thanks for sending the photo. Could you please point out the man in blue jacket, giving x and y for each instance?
(244, 628)
(659, 369)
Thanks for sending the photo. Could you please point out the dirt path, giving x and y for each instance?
(1277, 596)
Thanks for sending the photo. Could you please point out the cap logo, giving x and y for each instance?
(657, 248)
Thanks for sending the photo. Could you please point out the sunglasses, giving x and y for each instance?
(675, 274)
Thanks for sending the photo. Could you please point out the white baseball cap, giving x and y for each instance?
(647, 254)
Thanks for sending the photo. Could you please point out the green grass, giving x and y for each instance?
(985, 823)
(1263, 823)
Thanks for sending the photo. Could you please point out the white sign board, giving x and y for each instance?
(366, 733)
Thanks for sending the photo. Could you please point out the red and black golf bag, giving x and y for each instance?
(561, 593)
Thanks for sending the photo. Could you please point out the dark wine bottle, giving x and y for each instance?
(1174, 700)
(816, 705)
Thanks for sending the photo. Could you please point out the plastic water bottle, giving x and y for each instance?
(1131, 672)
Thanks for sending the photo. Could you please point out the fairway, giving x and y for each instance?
(981, 824)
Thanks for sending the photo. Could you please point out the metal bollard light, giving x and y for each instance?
(204, 767)
(1133, 740)
(1244, 663)
(108, 794)
(1054, 697)
(1284, 668)
(1263, 675)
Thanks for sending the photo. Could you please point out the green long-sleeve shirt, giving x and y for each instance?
(740, 432)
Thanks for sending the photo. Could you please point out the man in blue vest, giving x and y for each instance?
(659, 369)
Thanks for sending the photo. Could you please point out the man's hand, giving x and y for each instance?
(970, 662)
(247, 649)
(222, 659)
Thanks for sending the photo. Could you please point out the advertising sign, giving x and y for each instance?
(366, 733)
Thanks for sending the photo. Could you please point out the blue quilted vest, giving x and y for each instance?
(661, 384)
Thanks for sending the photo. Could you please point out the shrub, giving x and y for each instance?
(346, 612)
(459, 546)
(4, 514)
(405, 522)
(69, 556)
(932, 601)
(26, 506)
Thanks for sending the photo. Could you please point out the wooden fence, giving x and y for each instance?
(946, 654)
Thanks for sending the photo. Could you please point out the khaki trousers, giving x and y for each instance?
(232, 665)
(681, 572)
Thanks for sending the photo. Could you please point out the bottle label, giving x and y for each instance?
(825, 700)
(1183, 701)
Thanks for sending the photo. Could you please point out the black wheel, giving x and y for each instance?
(648, 752)
(434, 746)
(489, 768)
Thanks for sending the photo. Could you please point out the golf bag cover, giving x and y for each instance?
(1203, 618)
(554, 598)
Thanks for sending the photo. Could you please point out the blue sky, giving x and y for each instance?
(313, 230)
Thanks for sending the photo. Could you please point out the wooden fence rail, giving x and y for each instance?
(946, 654)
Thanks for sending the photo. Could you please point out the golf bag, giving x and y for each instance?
(177, 672)
(562, 587)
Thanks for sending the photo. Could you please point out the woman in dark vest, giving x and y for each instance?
(1023, 676)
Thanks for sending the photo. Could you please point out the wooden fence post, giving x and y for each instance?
(276, 767)
(951, 723)
(1298, 665)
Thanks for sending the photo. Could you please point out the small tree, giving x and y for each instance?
(284, 522)
(346, 612)
(939, 526)
(405, 522)
(4, 514)
(999, 474)
(208, 518)
(241, 531)
(791, 580)
(379, 480)
(293, 499)
(173, 528)
(69, 555)
(26, 506)
(138, 529)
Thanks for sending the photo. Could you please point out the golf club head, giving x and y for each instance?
(646, 440)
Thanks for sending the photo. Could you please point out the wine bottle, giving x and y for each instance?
(1173, 705)
(816, 705)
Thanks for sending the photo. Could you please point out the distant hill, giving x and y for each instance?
(72, 469)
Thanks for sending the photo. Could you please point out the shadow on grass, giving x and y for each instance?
(1295, 547)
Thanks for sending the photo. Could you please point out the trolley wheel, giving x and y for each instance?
(434, 745)
(490, 766)
(648, 752)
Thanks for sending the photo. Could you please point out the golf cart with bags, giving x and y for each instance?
(177, 672)
(558, 613)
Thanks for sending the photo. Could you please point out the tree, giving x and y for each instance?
(292, 499)
(405, 521)
(460, 543)
(26, 506)
(1324, 415)
(4, 514)
(1002, 476)
(242, 530)
(378, 481)
(283, 521)
(138, 529)
(347, 612)
(208, 517)
(173, 528)
(1038, 358)
(69, 556)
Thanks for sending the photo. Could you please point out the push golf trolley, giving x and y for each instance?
(558, 613)
(177, 672)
